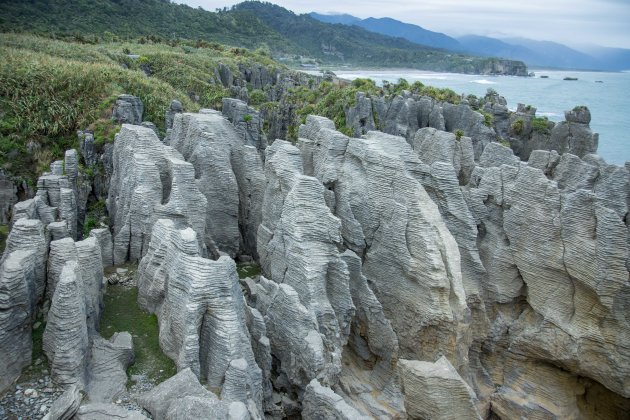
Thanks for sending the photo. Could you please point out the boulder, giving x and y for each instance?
(247, 122)
(109, 360)
(322, 403)
(183, 385)
(128, 109)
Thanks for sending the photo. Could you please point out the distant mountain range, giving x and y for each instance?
(251, 24)
(533, 53)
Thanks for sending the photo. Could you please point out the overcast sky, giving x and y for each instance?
(572, 22)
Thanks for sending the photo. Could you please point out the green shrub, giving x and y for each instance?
(487, 119)
(518, 126)
(504, 142)
(459, 134)
(247, 118)
(257, 97)
(540, 125)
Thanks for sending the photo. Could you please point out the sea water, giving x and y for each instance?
(607, 95)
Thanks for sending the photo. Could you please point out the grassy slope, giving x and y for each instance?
(49, 89)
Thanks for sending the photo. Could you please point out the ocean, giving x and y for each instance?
(609, 101)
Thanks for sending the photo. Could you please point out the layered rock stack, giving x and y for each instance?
(43, 261)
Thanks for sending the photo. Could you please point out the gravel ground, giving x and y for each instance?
(29, 398)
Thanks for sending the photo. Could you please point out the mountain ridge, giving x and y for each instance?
(532, 52)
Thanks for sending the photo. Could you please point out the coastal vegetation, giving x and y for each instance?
(51, 88)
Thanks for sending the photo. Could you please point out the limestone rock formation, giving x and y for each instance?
(106, 368)
(8, 197)
(200, 306)
(247, 122)
(183, 397)
(433, 145)
(18, 293)
(175, 107)
(388, 219)
(436, 391)
(150, 181)
(248, 169)
(128, 110)
(88, 148)
(206, 141)
(104, 239)
(66, 341)
(463, 117)
(322, 403)
(360, 116)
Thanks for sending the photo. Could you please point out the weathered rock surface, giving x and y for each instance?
(66, 342)
(150, 181)
(388, 219)
(104, 239)
(8, 197)
(322, 403)
(100, 411)
(206, 141)
(18, 297)
(200, 307)
(182, 397)
(107, 366)
(128, 110)
(247, 122)
(176, 107)
(436, 391)
(433, 145)
(66, 406)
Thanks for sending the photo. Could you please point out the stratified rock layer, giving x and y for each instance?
(150, 181)
(200, 307)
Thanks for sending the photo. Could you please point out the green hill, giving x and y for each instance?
(250, 24)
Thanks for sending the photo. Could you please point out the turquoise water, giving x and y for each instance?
(609, 101)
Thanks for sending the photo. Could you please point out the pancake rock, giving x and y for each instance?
(183, 397)
(206, 141)
(201, 310)
(18, 293)
(150, 181)
(66, 342)
(247, 122)
(562, 244)
(322, 403)
(410, 258)
(436, 391)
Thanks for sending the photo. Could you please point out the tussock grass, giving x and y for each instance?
(49, 89)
